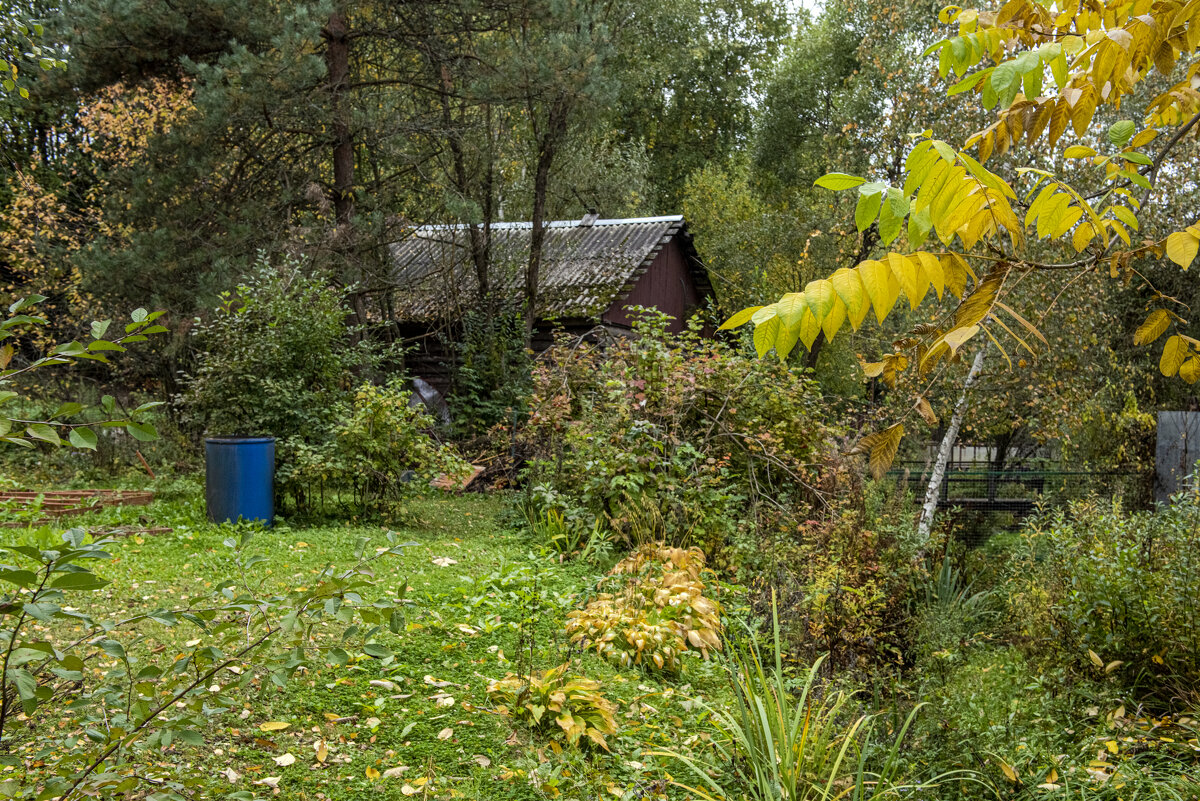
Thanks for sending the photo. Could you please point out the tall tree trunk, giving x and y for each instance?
(337, 64)
(537, 238)
(556, 128)
(1003, 445)
(925, 526)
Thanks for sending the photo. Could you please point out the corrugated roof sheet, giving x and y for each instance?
(585, 268)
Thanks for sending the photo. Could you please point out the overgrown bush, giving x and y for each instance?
(277, 359)
(1121, 585)
(672, 436)
(379, 452)
(690, 440)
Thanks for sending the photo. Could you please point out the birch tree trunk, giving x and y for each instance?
(943, 456)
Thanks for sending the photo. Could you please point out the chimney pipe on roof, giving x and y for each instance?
(589, 219)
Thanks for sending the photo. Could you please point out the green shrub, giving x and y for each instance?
(380, 452)
(276, 359)
(689, 440)
(675, 437)
(1121, 585)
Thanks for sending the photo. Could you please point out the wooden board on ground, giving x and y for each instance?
(457, 482)
(61, 503)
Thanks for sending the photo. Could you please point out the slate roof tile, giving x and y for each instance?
(585, 268)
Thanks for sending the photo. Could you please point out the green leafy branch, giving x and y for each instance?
(20, 431)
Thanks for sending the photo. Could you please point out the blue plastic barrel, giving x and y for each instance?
(240, 479)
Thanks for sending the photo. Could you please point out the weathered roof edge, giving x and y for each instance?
(550, 223)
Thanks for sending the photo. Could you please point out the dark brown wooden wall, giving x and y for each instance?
(666, 285)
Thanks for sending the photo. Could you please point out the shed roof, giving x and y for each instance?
(585, 268)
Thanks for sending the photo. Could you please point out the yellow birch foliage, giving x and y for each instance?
(119, 124)
(38, 235)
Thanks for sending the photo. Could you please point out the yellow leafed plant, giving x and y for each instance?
(658, 615)
(553, 699)
(1047, 68)
(689, 560)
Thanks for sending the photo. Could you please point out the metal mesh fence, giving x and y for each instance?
(978, 502)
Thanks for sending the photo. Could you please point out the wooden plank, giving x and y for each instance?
(61, 503)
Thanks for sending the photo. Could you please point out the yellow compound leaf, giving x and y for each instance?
(790, 308)
(1083, 236)
(785, 340)
(978, 304)
(810, 327)
(879, 283)
(882, 447)
(1189, 371)
(821, 297)
(1182, 247)
(849, 288)
(907, 274)
(956, 271)
(933, 272)
(765, 334)
(739, 319)
(1154, 327)
(1173, 355)
(834, 320)
(1143, 138)
(924, 409)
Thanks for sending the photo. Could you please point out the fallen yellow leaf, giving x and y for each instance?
(274, 725)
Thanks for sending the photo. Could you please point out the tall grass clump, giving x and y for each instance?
(799, 744)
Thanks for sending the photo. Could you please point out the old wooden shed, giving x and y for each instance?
(592, 270)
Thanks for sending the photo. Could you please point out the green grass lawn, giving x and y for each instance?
(424, 728)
